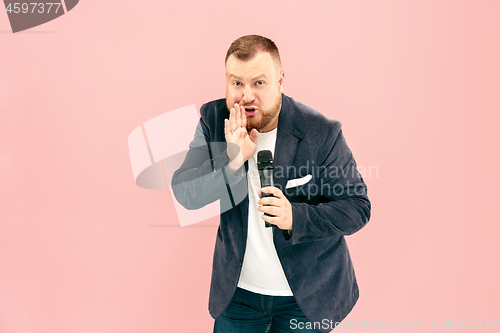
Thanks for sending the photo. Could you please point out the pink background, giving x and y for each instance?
(416, 84)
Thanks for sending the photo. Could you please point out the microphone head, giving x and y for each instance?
(264, 159)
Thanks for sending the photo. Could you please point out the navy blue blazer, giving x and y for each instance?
(333, 204)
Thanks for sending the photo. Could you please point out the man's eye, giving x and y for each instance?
(259, 83)
(237, 84)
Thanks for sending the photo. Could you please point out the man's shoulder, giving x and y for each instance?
(311, 120)
(213, 110)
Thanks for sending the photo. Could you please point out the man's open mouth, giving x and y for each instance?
(250, 111)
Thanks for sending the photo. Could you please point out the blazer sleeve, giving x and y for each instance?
(344, 206)
(204, 176)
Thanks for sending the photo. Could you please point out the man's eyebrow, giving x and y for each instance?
(263, 75)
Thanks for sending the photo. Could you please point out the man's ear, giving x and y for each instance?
(282, 81)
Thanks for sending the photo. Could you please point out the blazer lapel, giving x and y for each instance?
(288, 136)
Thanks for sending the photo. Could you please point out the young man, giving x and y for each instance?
(296, 276)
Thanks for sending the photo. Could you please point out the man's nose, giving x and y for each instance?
(248, 96)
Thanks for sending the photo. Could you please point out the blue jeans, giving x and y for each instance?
(249, 312)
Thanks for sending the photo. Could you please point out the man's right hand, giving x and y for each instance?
(235, 129)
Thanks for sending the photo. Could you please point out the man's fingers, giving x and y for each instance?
(272, 210)
(238, 116)
(226, 128)
(232, 120)
(272, 201)
(273, 190)
(271, 219)
(254, 135)
(243, 119)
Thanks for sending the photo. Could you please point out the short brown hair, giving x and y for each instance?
(246, 47)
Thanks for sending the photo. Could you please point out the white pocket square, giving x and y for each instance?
(298, 181)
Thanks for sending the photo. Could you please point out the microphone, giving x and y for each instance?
(265, 165)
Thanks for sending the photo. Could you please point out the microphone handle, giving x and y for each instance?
(267, 224)
(266, 179)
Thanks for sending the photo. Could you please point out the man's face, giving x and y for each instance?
(256, 85)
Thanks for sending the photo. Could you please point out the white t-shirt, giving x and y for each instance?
(261, 271)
